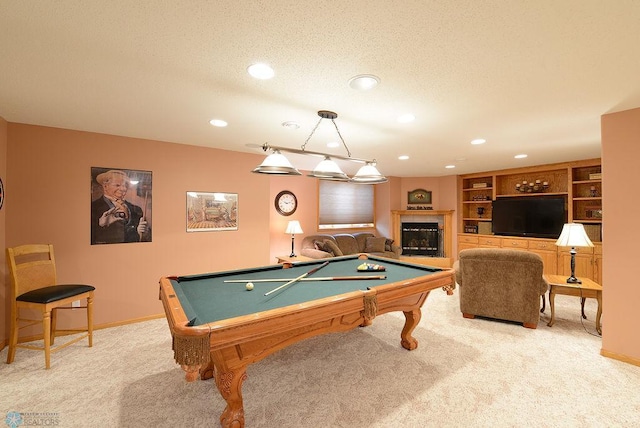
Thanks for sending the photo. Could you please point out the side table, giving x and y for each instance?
(289, 259)
(588, 289)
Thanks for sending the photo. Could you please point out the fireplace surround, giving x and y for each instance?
(444, 221)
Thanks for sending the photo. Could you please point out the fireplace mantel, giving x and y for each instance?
(397, 217)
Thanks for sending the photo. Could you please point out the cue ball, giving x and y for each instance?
(249, 286)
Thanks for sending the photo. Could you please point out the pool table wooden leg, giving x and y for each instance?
(229, 384)
(412, 318)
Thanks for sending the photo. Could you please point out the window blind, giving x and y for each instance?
(345, 205)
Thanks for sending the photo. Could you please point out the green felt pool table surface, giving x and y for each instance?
(208, 298)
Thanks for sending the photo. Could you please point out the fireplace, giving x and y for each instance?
(444, 220)
(422, 239)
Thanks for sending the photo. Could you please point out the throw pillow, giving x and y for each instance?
(387, 244)
(335, 250)
(374, 245)
(322, 246)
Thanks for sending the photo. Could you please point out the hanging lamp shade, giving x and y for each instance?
(276, 163)
(329, 170)
(369, 174)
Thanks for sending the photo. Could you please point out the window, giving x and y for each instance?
(345, 205)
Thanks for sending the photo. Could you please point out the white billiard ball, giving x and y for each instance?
(249, 286)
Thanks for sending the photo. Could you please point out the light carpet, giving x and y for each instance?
(465, 373)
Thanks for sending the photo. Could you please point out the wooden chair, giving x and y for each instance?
(34, 286)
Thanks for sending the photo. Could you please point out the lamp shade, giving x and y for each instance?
(294, 228)
(276, 163)
(328, 170)
(573, 235)
(369, 174)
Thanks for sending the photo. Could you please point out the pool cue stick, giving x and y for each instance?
(315, 269)
(321, 278)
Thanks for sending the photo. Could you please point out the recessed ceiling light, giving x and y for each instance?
(333, 144)
(403, 157)
(291, 125)
(261, 71)
(450, 166)
(364, 82)
(521, 156)
(478, 141)
(218, 122)
(406, 118)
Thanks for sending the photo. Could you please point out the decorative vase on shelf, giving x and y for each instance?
(480, 211)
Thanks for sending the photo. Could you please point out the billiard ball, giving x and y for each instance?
(249, 286)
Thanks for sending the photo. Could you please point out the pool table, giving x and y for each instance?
(219, 327)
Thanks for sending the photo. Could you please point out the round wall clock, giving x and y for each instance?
(286, 202)
(1, 194)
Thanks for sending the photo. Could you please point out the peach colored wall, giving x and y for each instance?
(48, 180)
(621, 295)
(383, 197)
(306, 191)
(4, 280)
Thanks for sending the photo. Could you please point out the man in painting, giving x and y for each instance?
(113, 219)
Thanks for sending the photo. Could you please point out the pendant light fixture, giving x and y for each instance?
(327, 169)
(276, 163)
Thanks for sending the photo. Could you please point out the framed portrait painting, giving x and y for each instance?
(212, 211)
(120, 205)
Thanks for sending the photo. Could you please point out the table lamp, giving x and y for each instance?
(293, 228)
(573, 235)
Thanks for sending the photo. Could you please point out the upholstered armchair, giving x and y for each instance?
(501, 283)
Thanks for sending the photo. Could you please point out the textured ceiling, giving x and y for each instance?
(531, 77)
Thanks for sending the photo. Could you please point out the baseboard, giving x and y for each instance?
(95, 327)
(620, 357)
(131, 321)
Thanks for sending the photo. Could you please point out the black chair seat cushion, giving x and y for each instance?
(54, 293)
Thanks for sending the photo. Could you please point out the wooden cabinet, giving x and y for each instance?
(515, 243)
(586, 199)
(485, 241)
(551, 180)
(546, 248)
(475, 203)
(579, 182)
(466, 241)
(597, 263)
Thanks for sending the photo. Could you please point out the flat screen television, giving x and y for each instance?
(530, 216)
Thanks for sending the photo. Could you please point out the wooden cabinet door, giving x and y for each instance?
(597, 264)
(548, 251)
(466, 242)
(549, 260)
(597, 268)
(464, 246)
